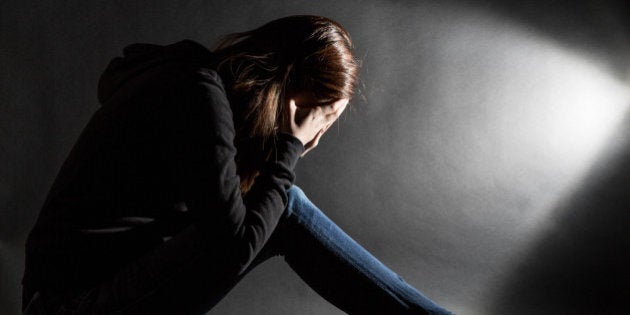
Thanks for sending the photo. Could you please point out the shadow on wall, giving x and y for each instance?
(581, 266)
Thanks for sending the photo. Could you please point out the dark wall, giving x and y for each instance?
(485, 161)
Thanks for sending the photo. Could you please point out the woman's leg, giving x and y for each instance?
(184, 275)
(339, 269)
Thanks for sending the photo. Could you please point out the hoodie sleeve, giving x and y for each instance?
(201, 157)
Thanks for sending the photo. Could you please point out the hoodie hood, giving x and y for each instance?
(140, 57)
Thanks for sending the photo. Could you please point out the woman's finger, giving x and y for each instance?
(339, 108)
(313, 143)
(336, 106)
(330, 118)
(327, 126)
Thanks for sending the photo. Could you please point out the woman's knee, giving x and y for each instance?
(294, 191)
(297, 200)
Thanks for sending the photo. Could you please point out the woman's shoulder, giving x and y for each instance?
(208, 75)
(184, 62)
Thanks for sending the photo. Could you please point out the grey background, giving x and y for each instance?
(487, 160)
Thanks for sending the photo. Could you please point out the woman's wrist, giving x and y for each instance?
(291, 138)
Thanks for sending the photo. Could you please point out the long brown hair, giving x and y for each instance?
(262, 67)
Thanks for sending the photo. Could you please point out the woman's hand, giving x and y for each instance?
(308, 124)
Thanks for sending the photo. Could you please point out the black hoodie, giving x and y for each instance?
(157, 156)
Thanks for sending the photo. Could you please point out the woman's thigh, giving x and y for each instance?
(182, 276)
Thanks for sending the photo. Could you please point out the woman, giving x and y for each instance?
(182, 181)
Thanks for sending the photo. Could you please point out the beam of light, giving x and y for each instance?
(518, 120)
(584, 107)
(526, 115)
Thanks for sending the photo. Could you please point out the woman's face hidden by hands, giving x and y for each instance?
(311, 117)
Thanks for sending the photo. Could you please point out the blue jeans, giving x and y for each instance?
(183, 277)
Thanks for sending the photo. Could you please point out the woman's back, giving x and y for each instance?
(115, 197)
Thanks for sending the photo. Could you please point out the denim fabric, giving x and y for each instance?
(340, 269)
(186, 275)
